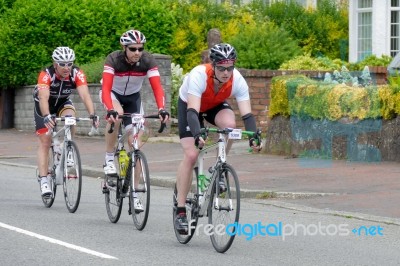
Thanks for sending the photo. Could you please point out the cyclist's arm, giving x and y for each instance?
(83, 91)
(192, 116)
(108, 78)
(155, 82)
(43, 87)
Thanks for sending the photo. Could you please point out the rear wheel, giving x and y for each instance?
(72, 177)
(49, 200)
(224, 208)
(141, 191)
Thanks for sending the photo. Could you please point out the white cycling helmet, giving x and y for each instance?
(132, 37)
(63, 54)
(223, 52)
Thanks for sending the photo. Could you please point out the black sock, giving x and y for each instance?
(180, 210)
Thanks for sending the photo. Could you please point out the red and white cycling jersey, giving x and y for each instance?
(124, 78)
(200, 82)
(60, 88)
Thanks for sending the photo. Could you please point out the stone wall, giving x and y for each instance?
(23, 118)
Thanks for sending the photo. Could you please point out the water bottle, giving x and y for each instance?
(123, 162)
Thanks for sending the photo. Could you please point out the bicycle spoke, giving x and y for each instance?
(141, 189)
(72, 177)
(224, 209)
(113, 198)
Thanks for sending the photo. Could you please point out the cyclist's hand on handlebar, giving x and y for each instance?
(95, 120)
(164, 115)
(199, 142)
(112, 116)
(255, 141)
(49, 121)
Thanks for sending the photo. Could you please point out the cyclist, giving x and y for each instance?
(202, 96)
(123, 76)
(52, 96)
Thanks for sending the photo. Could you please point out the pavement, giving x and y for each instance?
(366, 191)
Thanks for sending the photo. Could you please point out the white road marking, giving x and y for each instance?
(58, 242)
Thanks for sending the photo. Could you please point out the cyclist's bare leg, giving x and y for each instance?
(226, 119)
(70, 111)
(138, 168)
(112, 138)
(185, 169)
(43, 153)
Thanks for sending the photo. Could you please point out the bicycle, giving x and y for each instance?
(217, 196)
(116, 187)
(64, 166)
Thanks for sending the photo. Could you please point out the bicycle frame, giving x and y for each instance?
(205, 189)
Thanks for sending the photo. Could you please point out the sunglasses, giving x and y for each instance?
(222, 68)
(61, 64)
(134, 49)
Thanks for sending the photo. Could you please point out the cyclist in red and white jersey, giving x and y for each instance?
(123, 76)
(202, 96)
(51, 94)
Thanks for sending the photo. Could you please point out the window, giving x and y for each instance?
(394, 27)
(364, 36)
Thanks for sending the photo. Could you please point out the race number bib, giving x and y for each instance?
(235, 134)
(137, 118)
(70, 121)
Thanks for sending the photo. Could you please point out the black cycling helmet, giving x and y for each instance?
(221, 52)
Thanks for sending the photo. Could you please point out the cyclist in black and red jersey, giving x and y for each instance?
(123, 76)
(202, 96)
(51, 95)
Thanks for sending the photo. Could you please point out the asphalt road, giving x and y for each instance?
(34, 235)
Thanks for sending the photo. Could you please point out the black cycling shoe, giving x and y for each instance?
(181, 223)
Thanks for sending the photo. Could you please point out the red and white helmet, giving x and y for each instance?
(132, 37)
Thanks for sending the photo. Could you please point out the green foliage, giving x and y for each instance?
(263, 46)
(373, 60)
(306, 62)
(93, 70)
(320, 32)
(31, 30)
(177, 79)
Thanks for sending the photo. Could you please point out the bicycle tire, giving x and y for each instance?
(49, 200)
(72, 178)
(228, 209)
(113, 197)
(192, 212)
(142, 191)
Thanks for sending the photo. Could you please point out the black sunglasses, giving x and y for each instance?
(134, 49)
(61, 64)
(222, 68)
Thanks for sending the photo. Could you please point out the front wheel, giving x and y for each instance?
(224, 208)
(72, 177)
(139, 193)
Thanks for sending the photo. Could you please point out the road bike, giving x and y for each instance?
(64, 165)
(215, 195)
(132, 178)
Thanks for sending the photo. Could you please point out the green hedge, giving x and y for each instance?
(307, 98)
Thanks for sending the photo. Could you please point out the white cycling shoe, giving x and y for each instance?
(46, 191)
(109, 168)
(137, 205)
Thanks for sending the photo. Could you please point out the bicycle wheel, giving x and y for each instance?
(49, 200)
(113, 197)
(142, 190)
(72, 177)
(224, 208)
(192, 212)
